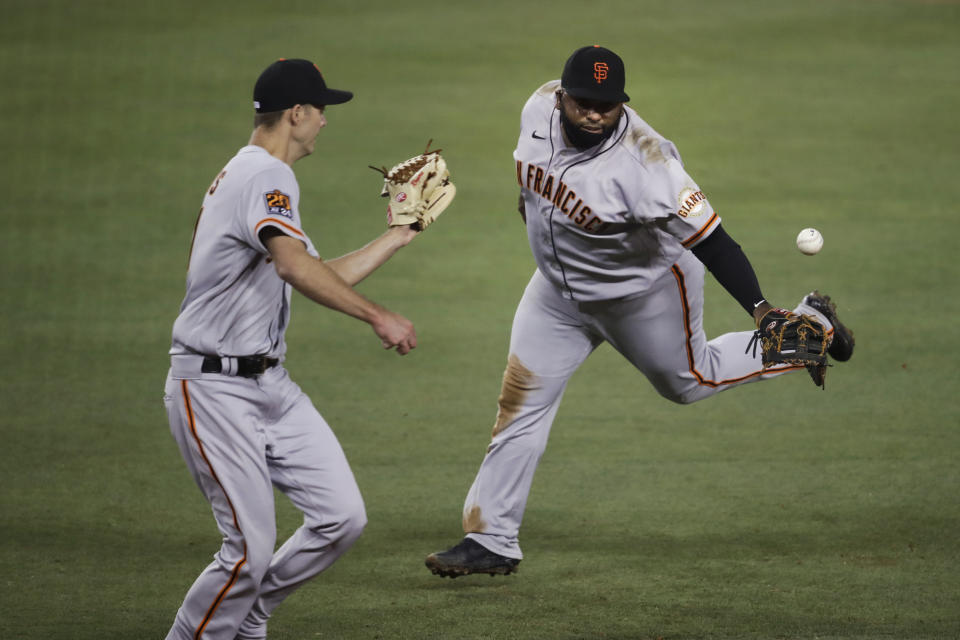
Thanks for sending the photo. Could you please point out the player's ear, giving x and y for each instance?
(559, 94)
(296, 114)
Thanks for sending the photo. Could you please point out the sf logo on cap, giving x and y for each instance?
(600, 71)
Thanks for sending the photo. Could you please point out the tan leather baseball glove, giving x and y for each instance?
(419, 189)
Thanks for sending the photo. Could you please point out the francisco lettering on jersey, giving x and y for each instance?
(278, 204)
(564, 198)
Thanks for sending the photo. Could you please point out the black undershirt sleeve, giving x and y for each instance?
(729, 265)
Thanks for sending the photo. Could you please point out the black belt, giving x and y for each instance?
(247, 366)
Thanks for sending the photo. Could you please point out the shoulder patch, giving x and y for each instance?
(691, 203)
(278, 204)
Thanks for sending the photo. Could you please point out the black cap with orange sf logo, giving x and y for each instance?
(594, 73)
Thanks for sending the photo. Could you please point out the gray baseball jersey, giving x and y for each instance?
(609, 221)
(235, 304)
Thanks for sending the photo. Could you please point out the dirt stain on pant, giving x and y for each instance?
(518, 382)
(473, 521)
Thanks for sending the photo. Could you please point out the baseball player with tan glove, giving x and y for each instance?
(243, 427)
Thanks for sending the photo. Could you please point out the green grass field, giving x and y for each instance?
(774, 511)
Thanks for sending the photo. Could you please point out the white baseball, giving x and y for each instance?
(810, 241)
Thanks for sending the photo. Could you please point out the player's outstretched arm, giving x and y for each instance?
(730, 266)
(314, 279)
(357, 265)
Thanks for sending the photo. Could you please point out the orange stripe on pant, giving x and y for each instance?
(678, 274)
(188, 405)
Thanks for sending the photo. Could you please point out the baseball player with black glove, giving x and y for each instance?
(242, 425)
(622, 237)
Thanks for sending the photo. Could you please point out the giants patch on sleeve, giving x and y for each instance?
(278, 204)
(691, 203)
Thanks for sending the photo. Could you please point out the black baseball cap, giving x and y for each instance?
(295, 81)
(594, 73)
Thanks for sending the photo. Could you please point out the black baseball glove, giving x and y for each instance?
(788, 338)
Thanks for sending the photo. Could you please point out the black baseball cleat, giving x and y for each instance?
(469, 557)
(842, 346)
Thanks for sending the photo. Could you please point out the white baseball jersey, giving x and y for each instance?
(609, 221)
(235, 304)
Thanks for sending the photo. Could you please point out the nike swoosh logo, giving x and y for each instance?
(538, 137)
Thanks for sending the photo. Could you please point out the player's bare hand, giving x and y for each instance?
(395, 331)
(761, 310)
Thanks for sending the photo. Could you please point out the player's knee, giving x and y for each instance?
(258, 554)
(354, 522)
(344, 526)
(677, 390)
